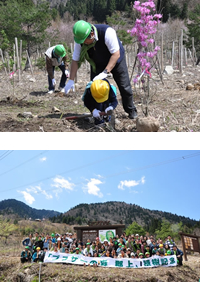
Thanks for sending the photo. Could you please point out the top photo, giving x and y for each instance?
(99, 66)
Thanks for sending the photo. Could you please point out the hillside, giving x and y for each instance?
(19, 209)
(117, 212)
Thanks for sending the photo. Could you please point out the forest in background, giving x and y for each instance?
(37, 24)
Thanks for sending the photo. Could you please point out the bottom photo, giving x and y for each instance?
(66, 215)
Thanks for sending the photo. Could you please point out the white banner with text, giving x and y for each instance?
(155, 261)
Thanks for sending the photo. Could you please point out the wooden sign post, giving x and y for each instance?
(189, 243)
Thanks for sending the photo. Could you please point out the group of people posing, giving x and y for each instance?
(100, 46)
(133, 246)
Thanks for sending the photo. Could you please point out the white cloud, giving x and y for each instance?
(62, 183)
(43, 159)
(92, 187)
(99, 176)
(37, 190)
(143, 180)
(130, 183)
(127, 183)
(27, 197)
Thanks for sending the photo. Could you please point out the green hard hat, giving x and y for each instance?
(141, 254)
(81, 31)
(169, 252)
(52, 234)
(60, 50)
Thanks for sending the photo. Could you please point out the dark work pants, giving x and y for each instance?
(63, 77)
(121, 77)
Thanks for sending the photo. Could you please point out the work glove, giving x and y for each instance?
(67, 73)
(102, 75)
(53, 81)
(96, 114)
(69, 86)
(109, 110)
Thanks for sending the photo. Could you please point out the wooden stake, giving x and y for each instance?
(20, 55)
(8, 61)
(193, 50)
(181, 52)
(161, 52)
(17, 54)
(172, 54)
(29, 60)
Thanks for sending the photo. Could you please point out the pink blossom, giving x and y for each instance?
(157, 48)
(144, 27)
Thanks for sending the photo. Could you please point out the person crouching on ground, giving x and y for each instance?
(179, 255)
(99, 97)
(26, 255)
(56, 56)
(36, 255)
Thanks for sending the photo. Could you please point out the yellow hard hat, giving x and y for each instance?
(100, 90)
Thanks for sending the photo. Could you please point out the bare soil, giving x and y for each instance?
(176, 108)
(12, 270)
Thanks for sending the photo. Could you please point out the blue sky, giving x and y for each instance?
(166, 180)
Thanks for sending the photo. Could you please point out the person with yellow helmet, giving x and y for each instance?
(100, 96)
(100, 46)
(56, 56)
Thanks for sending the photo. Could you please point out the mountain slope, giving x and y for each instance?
(9, 207)
(117, 211)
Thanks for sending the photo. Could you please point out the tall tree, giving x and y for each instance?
(111, 7)
(193, 28)
(25, 20)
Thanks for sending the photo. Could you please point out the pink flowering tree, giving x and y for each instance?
(144, 29)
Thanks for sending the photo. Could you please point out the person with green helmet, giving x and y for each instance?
(100, 46)
(56, 56)
(26, 255)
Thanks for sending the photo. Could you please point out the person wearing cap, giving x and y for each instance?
(26, 255)
(88, 250)
(168, 253)
(78, 252)
(35, 256)
(53, 239)
(120, 247)
(101, 47)
(132, 255)
(147, 255)
(98, 243)
(161, 248)
(128, 252)
(105, 242)
(141, 255)
(99, 96)
(56, 56)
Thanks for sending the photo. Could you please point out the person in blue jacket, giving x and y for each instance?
(99, 96)
(179, 255)
(100, 46)
(28, 242)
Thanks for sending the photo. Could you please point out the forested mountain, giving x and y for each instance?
(117, 212)
(100, 9)
(19, 209)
